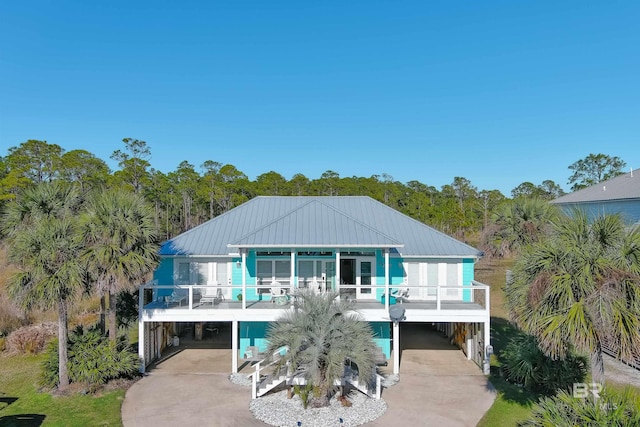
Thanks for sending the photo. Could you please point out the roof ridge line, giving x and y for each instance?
(357, 221)
(272, 221)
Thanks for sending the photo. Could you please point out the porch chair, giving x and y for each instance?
(277, 297)
(401, 295)
(211, 295)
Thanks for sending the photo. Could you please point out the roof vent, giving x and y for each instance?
(631, 169)
(604, 188)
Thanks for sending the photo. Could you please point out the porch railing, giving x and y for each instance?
(156, 296)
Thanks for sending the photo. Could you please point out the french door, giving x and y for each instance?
(364, 279)
(319, 275)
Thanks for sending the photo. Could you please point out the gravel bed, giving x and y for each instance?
(240, 379)
(276, 410)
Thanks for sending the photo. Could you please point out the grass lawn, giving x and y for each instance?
(513, 404)
(23, 404)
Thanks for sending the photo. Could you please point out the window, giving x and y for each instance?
(365, 276)
(305, 273)
(452, 279)
(432, 279)
(264, 272)
(268, 271)
(184, 273)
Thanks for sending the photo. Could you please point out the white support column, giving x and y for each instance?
(234, 346)
(293, 268)
(244, 279)
(487, 343)
(386, 280)
(337, 278)
(396, 348)
(468, 335)
(141, 355)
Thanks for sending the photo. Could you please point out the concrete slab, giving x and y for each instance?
(438, 387)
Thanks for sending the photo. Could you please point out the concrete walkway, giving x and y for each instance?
(438, 387)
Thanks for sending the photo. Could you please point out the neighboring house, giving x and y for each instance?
(619, 195)
(243, 269)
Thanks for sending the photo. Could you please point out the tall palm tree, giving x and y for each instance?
(121, 245)
(580, 286)
(321, 335)
(517, 223)
(44, 243)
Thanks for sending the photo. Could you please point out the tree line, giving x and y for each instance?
(191, 195)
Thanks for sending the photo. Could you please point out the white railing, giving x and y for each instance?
(186, 296)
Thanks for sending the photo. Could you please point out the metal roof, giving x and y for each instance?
(315, 222)
(622, 187)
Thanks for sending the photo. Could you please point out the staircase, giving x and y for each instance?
(269, 382)
(264, 379)
(372, 390)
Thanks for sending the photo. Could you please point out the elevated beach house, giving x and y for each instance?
(244, 268)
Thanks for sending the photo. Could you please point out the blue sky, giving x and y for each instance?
(496, 92)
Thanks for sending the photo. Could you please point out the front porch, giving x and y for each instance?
(473, 315)
(156, 300)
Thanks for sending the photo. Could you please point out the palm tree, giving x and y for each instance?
(121, 245)
(580, 286)
(517, 223)
(44, 244)
(321, 334)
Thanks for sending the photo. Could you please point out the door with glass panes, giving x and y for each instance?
(316, 275)
(364, 279)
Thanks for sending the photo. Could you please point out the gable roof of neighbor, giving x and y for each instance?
(626, 186)
(315, 222)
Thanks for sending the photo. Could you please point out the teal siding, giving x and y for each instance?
(396, 272)
(467, 277)
(255, 334)
(164, 276)
(382, 336)
(236, 276)
(252, 333)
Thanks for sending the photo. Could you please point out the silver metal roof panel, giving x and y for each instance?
(307, 221)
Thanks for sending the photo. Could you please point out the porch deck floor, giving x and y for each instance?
(360, 305)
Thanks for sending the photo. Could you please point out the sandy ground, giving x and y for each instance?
(620, 373)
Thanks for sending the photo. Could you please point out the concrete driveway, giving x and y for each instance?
(438, 387)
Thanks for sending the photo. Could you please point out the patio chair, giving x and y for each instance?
(211, 295)
(177, 297)
(277, 297)
(401, 295)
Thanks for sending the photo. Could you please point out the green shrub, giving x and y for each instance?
(304, 392)
(564, 410)
(525, 364)
(93, 360)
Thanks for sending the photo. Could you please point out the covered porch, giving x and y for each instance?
(474, 313)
